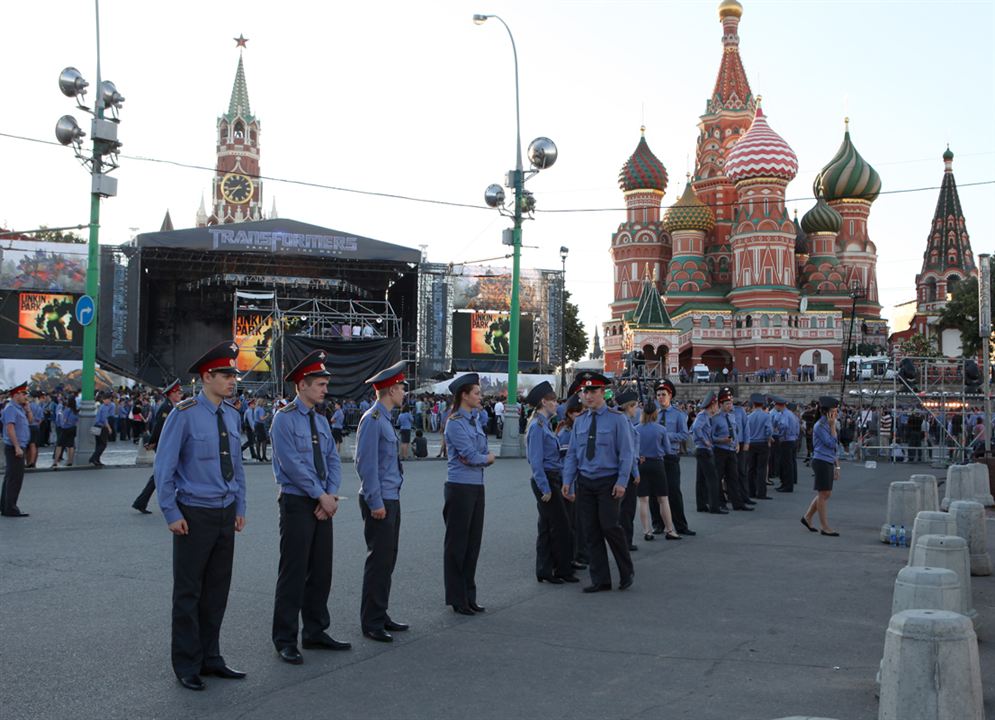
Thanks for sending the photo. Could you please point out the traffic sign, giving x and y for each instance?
(85, 310)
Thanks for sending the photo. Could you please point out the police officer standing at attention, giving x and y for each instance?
(463, 511)
(790, 431)
(707, 490)
(598, 464)
(676, 423)
(628, 403)
(724, 443)
(759, 430)
(16, 436)
(201, 491)
(308, 470)
(380, 479)
(171, 396)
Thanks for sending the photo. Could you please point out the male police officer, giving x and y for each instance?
(759, 431)
(676, 423)
(171, 396)
(16, 436)
(201, 492)
(308, 470)
(790, 431)
(707, 490)
(724, 443)
(380, 479)
(599, 461)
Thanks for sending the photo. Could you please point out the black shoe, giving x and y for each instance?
(765, 497)
(379, 635)
(461, 610)
(192, 682)
(719, 511)
(578, 565)
(688, 532)
(626, 582)
(16, 513)
(392, 626)
(649, 536)
(750, 502)
(291, 655)
(142, 510)
(703, 510)
(324, 642)
(569, 578)
(477, 608)
(671, 536)
(633, 548)
(550, 579)
(808, 525)
(603, 587)
(783, 489)
(744, 508)
(224, 672)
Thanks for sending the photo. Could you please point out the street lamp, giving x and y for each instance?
(856, 293)
(985, 331)
(542, 154)
(563, 322)
(101, 161)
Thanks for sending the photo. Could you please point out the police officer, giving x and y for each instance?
(554, 541)
(628, 404)
(463, 511)
(171, 396)
(724, 443)
(707, 490)
(742, 455)
(16, 436)
(308, 470)
(676, 422)
(201, 491)
(596, 470)
(564, 431)
(774, 453)
(759, 430)
(380, 479)
(790, 432)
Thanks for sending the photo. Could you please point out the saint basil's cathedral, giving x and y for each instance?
(725, 277)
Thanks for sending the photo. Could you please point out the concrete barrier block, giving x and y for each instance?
(980, 487)
(930, 669)
(931, 523)
(144, 457)
(903, 506)
(950, 552)
(969, 522)
(928, 493)
(959, 486)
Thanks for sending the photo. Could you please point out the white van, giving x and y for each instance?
(701, 373)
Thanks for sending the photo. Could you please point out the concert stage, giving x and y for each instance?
(280, 287)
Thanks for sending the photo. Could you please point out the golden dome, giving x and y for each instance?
(730, 7)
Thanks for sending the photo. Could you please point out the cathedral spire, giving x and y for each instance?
(596, 353)
(948, 251)
(238, 106)
(732, 89)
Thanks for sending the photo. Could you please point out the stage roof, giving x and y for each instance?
(280, 237)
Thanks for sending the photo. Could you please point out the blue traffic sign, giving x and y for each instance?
(84, 310)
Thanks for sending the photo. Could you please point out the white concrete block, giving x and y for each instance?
(928, 494)
(960, 485)
(930, 669)
(969, 521)
(931, 523)
(903, 505)
(144, 457)
(950, 552)
(981, 488)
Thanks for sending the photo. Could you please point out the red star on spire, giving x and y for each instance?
(240, 40)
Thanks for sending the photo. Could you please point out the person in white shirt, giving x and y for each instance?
(499, 417)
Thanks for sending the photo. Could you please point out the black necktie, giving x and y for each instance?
(227, 469)
(319, 462)
(592, 436)
(732, 435)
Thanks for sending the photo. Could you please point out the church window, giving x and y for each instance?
(723, 264)
(931, 290)
(749, 321)
(952, 283)
(829, 321)
(239, 131)
(768, 276)
(223, 132)
(719, 323)
(778, 322)
(765, 321)
(252, 136)
(851, 228)
(705, 324)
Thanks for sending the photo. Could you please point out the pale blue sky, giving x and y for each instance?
(413, 98)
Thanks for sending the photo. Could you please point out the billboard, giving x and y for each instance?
(486, 335)
(483, 287)
(45, 317)
(254, 337)
(56, 267)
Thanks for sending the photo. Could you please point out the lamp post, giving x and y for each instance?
(563, 322)
(856, 293)
(102, 160)
(985, 330)
(542, 154)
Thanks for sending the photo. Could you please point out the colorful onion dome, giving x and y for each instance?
(643, 170)
(730, 7)
(822, 219)
(761, 153)
(802, 245)
(848, 176)
(688, 213)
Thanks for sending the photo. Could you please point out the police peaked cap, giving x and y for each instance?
(626, 396)
(220, 358)
(313, 365)
(539, 392)
(394, 375)
(464, 381)
(707, 400)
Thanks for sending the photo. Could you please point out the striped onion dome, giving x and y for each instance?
(848, 176)
(688, 213)
(643, 170)
(761, 153)
(822, 219)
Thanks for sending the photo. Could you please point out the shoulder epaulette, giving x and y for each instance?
(375, 414)
(187, 404)
(288, 407)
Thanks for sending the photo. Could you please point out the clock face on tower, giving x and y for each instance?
(236, 188)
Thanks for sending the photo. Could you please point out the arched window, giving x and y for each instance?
(778, 322)
(749, 321)
(952, 283)
(739, 323)
(719, 323)
(705, 323)
(829, 321)
(723, 264)
(931, 290)
(223, 132)
(239, 131)
(765, 321)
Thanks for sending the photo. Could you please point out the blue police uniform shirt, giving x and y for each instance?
(405, 421)
(467, 448)
(724, 431)
(701, 431)
(613, 449)
(37, 413)
(654, 441)
(187, 467)
(364, 405)
(634, 425)
(824, 445)
(676, 422)
(103, 414)
(380, 475)
(124, 410)
(790, 426)
(482, 419)
(561, 411)
(739, 423)
(258, 414)
(338, 419)
(759, 427)
(14, 413)
(775, 421)
(65, 418)
(293, 453)
(542, 449)
(563, 435)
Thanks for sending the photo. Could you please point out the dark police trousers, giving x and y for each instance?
(146, 494)
(202, 562)
(577, 532)
(463, 514)
(305, 572)
(381, 555)
(788, 463)
(599, 513)
(101, 445)
(554, 538)
(627, 510)
(13, 477)
(672, 465)
(757, 463)
(727, 469)
(706, 486)
(774, 454)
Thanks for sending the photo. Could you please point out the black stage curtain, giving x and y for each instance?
(351, 362)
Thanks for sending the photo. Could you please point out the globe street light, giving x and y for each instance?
(563, 322)
(542, 154)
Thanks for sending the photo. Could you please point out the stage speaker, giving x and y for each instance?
(972, 375)
(907, 371)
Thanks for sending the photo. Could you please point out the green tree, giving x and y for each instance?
(58, 236)
(575, 334)
(961, 312)
(918, 345)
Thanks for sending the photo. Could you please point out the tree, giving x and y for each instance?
(961, 312)
(58, 236)
(918, 345)
(575, 334)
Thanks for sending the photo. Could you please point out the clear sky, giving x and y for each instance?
(414, 99)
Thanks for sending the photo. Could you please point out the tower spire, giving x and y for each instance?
(948, 251)
(732, 89)
(239, 103)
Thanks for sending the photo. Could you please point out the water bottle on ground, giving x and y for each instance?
(901, 537)
(893, 537)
